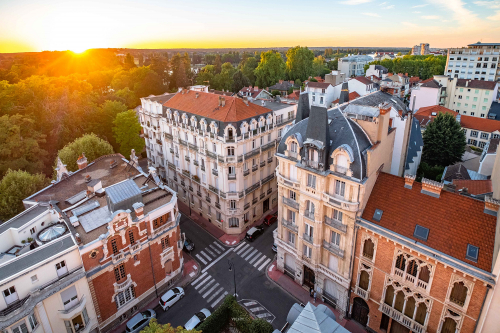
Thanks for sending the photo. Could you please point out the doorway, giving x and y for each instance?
(265, 205)
(360, 311)
(398, 328)
(309, 277)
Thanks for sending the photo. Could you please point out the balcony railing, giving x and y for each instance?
(269, 160)
(268, 145)
(267, 179)
(246, 172)
(252, 153)
(289, 225)
(207, 198)
(217, 205)
(231, 176)
(211, 155)
(247, 205)
(215, 172)
(333, 249)
(186, 173)
(168, 136)
(269, 191)
(307, 238)
(361, 292)
(213, 189)
(158, 141)
(335, 224)
(312, 164)
(401, 318)
(252, 188)
(309, 214)
(74, 306)
(255, 167)
(292, 203)
(262, 164)
(229, 138)
(192, 146)
(262, 195)
(195, 162)
(255, 200)
(182, 142)
(410, 278)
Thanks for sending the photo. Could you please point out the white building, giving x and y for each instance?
(362, 85)
(488, 157)
(377, 70)
(353, 65)
(478, 61)
(42, 278)
(320, 93)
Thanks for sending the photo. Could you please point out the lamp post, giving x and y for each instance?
(233, 269)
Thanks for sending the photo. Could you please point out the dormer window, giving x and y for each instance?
(293, 147)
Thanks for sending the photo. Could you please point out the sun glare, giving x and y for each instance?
(79, 50)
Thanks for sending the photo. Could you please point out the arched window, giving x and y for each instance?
(412, 268)
(389, 295)
(458, 294)
(424, 274)
(400, 301)
(421, 313)
(401, 262)
(410, 307)
(368, 248)
(364, 280)
(293, 147)
(449, 326)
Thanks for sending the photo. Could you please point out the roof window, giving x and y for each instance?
(378, 214)
(472, 252)
(421, 232)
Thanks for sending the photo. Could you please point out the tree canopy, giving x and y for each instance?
(126, 132)
(422, 66)
(154, 327)
(90, 144)
(239, 81)
(299, 63)
(270, 70)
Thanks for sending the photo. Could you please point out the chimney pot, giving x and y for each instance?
(223, 101)
(431, 187)
(82, 161)
(409, 179)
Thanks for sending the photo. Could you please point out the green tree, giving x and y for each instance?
(105, 117)
(129, 62)
(239, 81)
(206, 75)
(16, 186)
(261, 326)
(126, 130)
(299, 63)
(270, 70)
(218, 63)
(444, 141)
(154, 327)
(248, 69)
(319, 67)
(20, 145)
(90, 144)
(127, 97)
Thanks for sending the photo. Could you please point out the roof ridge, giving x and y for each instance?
(233, 102)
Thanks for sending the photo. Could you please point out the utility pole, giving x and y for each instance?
(232, 268)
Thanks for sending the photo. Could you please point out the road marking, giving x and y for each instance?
(211, 289)
(198, 279)
(216, 260)
(263, 315)
(245, 246)
(202, 282)
(218, 300)
(211, 252)
(239, 246)
(215, 249)
(206, 256)
(251, 255)
(206, 286)
(220, 246)
(244, 253)
(254, 258)
(227, 242)
(257, 309)
(200, 258)
(265, 263)
(233, 242)
(271, 268)
(192, 274)
(214, 294)
(250, 303)
(195, 267)
(259, 261)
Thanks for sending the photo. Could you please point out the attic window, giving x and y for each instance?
(421, 232)
(472, 252)
(378, 215)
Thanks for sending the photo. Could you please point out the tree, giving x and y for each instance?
(218, 64)
(90, 144)
(16, 186)
(297, 83)
(154, 327)
(319, 67)
(399, 54)
(206, 75)
(270, 70)
(129, 63)
(239, 81)
(259, 325)
(126, 132)
(224, 80)
(444, 141)
(105, 117)
(181, 79)
(248, 69)
(299, 63)
(20, 145)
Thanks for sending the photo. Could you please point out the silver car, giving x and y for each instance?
(197, 319)
(139, 321)
(170, 297)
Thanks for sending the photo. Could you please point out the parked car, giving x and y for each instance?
(275, 248)
(270, 219)
(171, 297)
(188, 245)
(139, 321)
(197, 319)
(254, 232)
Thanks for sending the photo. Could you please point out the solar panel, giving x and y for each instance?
(472, 252)
(378, 214)
(421, 232)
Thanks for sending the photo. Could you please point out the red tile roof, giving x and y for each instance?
(294, 95)
(475, 187)
(453, 220)
(414, 79)
(428, 110)
(207, 105)
(322, 85)
(476, 84)
(352, 95)
(319, 79)
(480, 124)
(364, 80)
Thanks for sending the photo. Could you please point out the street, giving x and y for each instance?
(254, 290)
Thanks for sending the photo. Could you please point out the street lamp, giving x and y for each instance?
(233, 269)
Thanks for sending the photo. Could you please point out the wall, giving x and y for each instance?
(423, 97)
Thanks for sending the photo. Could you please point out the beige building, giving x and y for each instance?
(217, 152)
(422, 49)
(479, 61)
(326, 170)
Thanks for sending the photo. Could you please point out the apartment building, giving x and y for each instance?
(478, 61)
(421, 264)
(42, 277)
(126, 227)
(325, 171)
(422, 49)
(320, 93)
(217, 153)
(353, 65)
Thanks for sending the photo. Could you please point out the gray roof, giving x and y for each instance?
(303, 108)
(381, 68)
(362, 110)
(36, 256)
(484, 44)
(494, 112)
(344, 93)
(456, 171)
(283, 86)
(379, 97)
(23, 218)
(160, 98)
(416, 142)
(431, 84)
(314, 319)
(275, 106)
(123, 195)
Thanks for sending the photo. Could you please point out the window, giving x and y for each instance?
(293, 147)
(482, 115)
(485, 100)
(120, 273)
(311, 181)
(339, 187)
(69, 297)
(114, 247)
(232, 170)
(61, 268)
(292, 195)
(131, 237)
(486, 93)
(335, 238)
(378, 214)
(124, 297)
(291, 216)
(232, 204)
(337, 215)
(32, 320)
(234, 222)
(459, 104)
(230, 151)
(473, 133)
(261, 140)
(472, 252)
(269, 137)
(214, 148)
(458, 294)
(291, 237)
(34, 279)
(473, 106)
(461, 90)
(32, 230)
(475, 99)
(10, 295)
(165, 242)
(309, 230)
(20, 329)
(484, 136)
(368, 249)
(253, 144)
(421, 232)
(307, 251)
(467, 97)
(245, 166)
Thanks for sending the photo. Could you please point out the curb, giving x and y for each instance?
(277, 284)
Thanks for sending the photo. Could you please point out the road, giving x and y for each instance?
(254, 290)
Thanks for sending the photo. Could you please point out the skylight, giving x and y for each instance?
(421, 232)
(472, 252)
(378, 215)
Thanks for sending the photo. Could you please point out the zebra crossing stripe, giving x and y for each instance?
(206, 255)
(242, 249)
(251, 255)
(200, 258)
(202, 282)
(198, 279)
(249, 303)
(218, 300)
(215, 249)
(259, 261)
(214, 294)
(209, 252)
(254, 258)
(209, 291)
(220, 246)
(257, 309)
(239, 246)
(263, 315)
(246, 251)
(206, 286)
(265, 263)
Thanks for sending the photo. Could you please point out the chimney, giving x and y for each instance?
(409, 179)
(491, 206)
(280, 81)
(138, 209)
(82, 162)
(245, 100)
(385, 108)
(223, 101)
(263, 103)
(220, 100)
(389, 74)
(78, 238)
(467, 83)
(431, 187)
(197, 94)
(256, 88)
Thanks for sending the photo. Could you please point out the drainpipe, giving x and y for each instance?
(151, 258)
(482, 306)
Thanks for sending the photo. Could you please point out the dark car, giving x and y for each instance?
(139, 321)
(270, 219)
(188, 245)
(274, 248)
(254, 232)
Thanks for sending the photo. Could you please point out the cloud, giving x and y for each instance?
(383, 3)
(416, 12)
(465, 17)
(431, 17)
(420, 6)
(409, 24)
(355, 2)
(371, 14)
(389, 7)
(495, 17)
(490, 4)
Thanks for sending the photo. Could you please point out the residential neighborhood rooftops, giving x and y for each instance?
(352, 96)
(462, 219)
(455, 171)
(378, 97)
(252, 91)
(430, 83)
(476, 84)
(282, 86)
(480, 124)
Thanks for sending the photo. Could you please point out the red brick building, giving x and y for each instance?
(423, 258)
(127, 226)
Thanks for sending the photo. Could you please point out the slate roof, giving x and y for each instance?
(458, 219)
(378, 97)
(303, 108)
(364, 80)
(381, 68)
(344, 93)
(476, 84)
(492, 147)
(322, 85)
(160, 98)
(352, 96)
(484, 44)
(282, 86)
(24, 217)
(456, 171)
(475, 187)
(430, 83)
(415, 144)
(494, 112)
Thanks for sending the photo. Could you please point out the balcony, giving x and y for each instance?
(195, 178)
(289, 225)
(186, 173)
(159, 142)
(292, 154)
(192, 146)
(252, 153)
(255, 200)
(363, 293)
(231, 176)
(311, 164)
(171, 166)
(190, 188)
(405, 277)
(288, 182)
(171, 150)
(73, 309)
(308, 238)
(246, 172)
(252, 188)
(336, 224)
(269, 191)
(195, 162)
(168, 136)
(229, 138)
(333, 249)
(187, 158)
(340, 202)
(215, 172)
(163, 228)
(402, 319)
(247, 205)
(255, 167)
(211, 155)
(267, 179)
(262, 195)
(217, 205)
(308, 214)
(182, 142)
(262, 164)
(207, 198)
(341, 170)
(292, 203)
(268, 145)
(269, 160)
(213, 189)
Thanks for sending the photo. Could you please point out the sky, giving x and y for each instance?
(29, 25)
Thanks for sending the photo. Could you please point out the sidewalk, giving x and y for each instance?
(297, 291)
(190, 272)
(231, 240)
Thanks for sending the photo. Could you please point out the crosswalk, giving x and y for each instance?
(252, 256)
(209, 289)
(211, 252)
(257, 309)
